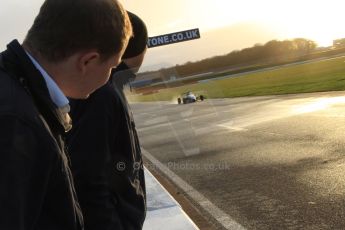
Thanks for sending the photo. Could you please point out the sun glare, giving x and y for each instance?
(320, 104)
(320, 21)
(234, 25)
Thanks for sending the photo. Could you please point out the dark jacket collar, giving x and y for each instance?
(121, 76)
(18, 65)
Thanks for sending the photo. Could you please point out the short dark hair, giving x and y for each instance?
(64, 27)
(138, 42)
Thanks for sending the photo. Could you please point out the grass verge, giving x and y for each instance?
(319, 76)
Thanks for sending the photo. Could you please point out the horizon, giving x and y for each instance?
(240, 41)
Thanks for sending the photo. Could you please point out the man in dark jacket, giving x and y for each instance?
(105, 151)
(59, 58)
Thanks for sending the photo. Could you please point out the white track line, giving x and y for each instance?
(225, 220)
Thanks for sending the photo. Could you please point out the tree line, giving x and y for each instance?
(272, 51)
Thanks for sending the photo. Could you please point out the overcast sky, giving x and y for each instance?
(225, 25)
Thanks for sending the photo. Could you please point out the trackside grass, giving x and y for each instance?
(318, 76)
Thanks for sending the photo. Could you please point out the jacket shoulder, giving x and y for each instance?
(104, 100)
(14, 99)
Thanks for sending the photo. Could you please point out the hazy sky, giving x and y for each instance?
(225, 25)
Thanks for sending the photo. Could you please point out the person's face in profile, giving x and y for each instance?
(98, 74)
(88, 72)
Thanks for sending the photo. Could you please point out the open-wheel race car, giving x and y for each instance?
(189, 97)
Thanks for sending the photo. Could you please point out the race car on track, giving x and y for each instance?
(189, 97)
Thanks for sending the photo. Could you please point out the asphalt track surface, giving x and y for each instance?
(273, 162)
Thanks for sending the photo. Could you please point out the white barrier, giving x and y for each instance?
(163, 211)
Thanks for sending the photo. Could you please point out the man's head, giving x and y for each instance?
(137, 45)
(78, 42)
(134, 54)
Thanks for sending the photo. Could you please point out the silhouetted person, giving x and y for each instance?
(105, 150)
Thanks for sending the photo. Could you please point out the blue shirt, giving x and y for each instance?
(57, 96)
